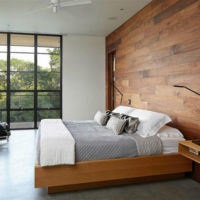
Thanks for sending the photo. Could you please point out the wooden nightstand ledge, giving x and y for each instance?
(183, 149)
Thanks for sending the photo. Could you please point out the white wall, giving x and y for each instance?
(83, 76)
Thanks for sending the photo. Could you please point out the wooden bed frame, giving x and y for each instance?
(101, 173)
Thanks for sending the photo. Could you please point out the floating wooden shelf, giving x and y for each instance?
(183, 149)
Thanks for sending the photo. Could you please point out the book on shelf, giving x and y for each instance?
(196, 152)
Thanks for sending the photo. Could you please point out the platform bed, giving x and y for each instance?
(102, 173)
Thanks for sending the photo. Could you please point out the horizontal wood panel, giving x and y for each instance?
(160, 47)
(86, 186)
(113, 169)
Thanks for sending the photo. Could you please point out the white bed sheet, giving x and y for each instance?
(170, 138)
(170, 145)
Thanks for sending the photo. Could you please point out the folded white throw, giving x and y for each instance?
(56, 146)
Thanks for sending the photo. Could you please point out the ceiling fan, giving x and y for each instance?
(57, 4)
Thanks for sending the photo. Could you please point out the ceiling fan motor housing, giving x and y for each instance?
(55, 2)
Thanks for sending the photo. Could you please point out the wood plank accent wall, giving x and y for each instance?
(155, 49)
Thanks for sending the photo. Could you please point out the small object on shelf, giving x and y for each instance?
(194, 151)
(196, 142)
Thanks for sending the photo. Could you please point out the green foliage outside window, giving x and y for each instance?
(22, 78)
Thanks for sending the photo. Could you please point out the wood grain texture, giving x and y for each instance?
(156, 49)
(86, 186)
(110, 170)
(178, 6)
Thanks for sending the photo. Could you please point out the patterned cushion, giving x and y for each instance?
(132, 124)
(101, 118)
(110, 113)
(116, 124)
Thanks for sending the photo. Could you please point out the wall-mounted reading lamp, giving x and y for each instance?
(182, 86)
(118, 91)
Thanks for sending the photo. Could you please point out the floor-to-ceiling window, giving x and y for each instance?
(30, 79)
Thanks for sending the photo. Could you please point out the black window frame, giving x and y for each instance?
(8, 91)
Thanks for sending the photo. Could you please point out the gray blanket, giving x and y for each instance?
(95, 142)
(148, 146)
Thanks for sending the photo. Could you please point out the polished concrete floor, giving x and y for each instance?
(17, 179)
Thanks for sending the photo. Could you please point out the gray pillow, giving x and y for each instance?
(116, 124)
(132, 124)
(101, 118)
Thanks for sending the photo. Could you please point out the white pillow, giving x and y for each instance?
(169, 132)
(150, 122)
(123, 110)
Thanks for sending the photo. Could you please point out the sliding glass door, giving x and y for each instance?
(30, 75)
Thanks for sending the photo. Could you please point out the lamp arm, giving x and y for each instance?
(182, 86)
(119, 92)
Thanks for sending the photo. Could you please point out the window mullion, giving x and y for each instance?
(8, 79)
(61, 54)
(35, 80)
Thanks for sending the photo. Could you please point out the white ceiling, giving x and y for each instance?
(33, 16)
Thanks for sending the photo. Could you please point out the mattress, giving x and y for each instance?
(170, 145)
(170, 138)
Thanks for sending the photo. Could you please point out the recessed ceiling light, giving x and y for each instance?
(112, 18)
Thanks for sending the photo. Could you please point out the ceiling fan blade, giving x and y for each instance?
(36, 11)
(75, 3)
(32, 11)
